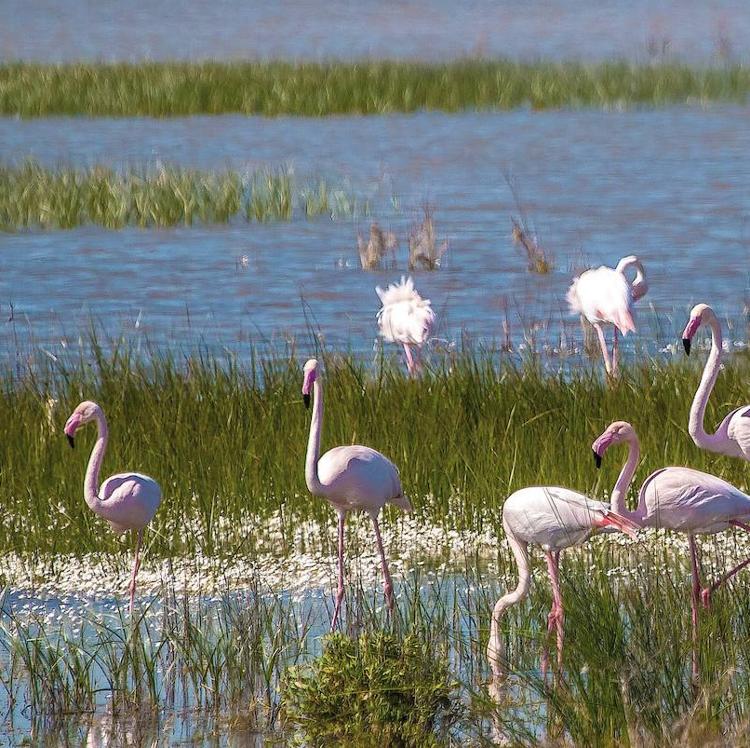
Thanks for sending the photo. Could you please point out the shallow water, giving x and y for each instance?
(669, 185)
(424, 29)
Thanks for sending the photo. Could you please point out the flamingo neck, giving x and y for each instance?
(313, 443)
(639, 286)
(620, 491)
(708, 380)
(91, 481)
(496, 653)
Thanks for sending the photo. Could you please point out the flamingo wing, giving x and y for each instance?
(679, 498)
(405, 316)
(132, 500)
(603, 295)
(738, 430)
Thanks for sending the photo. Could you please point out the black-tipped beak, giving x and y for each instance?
(686, 345)
(71, 441)
(306, 400)
(597, 459)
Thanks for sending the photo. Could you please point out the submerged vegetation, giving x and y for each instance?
(367, 87)
(32, 196)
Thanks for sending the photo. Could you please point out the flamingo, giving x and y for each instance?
(405, 318)
(603, 295)
(554, 518)
(733, 435)
(351, 478)
(128, 501)
(681, 499)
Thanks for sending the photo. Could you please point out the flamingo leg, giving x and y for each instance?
(615, 352)
(340, 589)
(694, 598)
(136, 566)
(387, 582)
(708, 591)
(556, 615)
(603, 346)
(409, 360)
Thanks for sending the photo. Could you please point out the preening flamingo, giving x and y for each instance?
(405, 318)
(351, 478)
(553, 518)
(605, 296)
(681, 499)
(733, 435)
(128, 501)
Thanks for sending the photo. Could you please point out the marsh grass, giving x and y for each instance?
(425, 252)
(33, 196)
(374, 252)
(363, 87)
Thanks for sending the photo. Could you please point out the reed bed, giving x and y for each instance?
(32, 196)
(366, 87)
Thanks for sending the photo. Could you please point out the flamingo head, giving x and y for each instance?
(699, 314)
(615, 433)
(310, 371)
(85, 412)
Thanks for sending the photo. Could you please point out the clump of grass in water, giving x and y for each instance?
(380, 244)
(376, 690)
(538, 260)
(424, 251)
(32, 196)
(360, 87)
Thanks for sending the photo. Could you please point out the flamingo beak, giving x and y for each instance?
(71, 441)
(686, 345)
(306, 399)
(597, 459)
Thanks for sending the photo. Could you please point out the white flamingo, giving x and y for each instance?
(351, 478)
(733, 435)
(405, 318)
(554, 518)
(605, 296)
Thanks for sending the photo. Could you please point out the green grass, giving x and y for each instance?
(367, 87)
(32, 196)
(225, 440)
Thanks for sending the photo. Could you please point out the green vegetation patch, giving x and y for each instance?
(365, 87)
(32, 196)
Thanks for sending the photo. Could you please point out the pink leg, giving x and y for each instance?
(708, 591)
(387, 583)
(136, 566)
(409, 360)
(694, 597)
(340, 590)
(603, 346)
(556, 615)
(615, 352)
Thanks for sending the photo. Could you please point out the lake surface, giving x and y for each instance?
(692, 30)
(669, 185)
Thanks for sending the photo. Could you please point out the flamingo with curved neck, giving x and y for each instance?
(128, 501)
(732, 437)
(554, 518)
(681, 499)
(351, 478)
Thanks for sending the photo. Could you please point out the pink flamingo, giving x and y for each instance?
(128, 501)
(733, 435)
(603, 295)
(554, 518)
(681, 499)
(405, 318)
(351, 478)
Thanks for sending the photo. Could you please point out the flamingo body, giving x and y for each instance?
(604, 295)
(405, 317)
(555, 518)
(732, 437)
(132, 499)
(360, 478)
